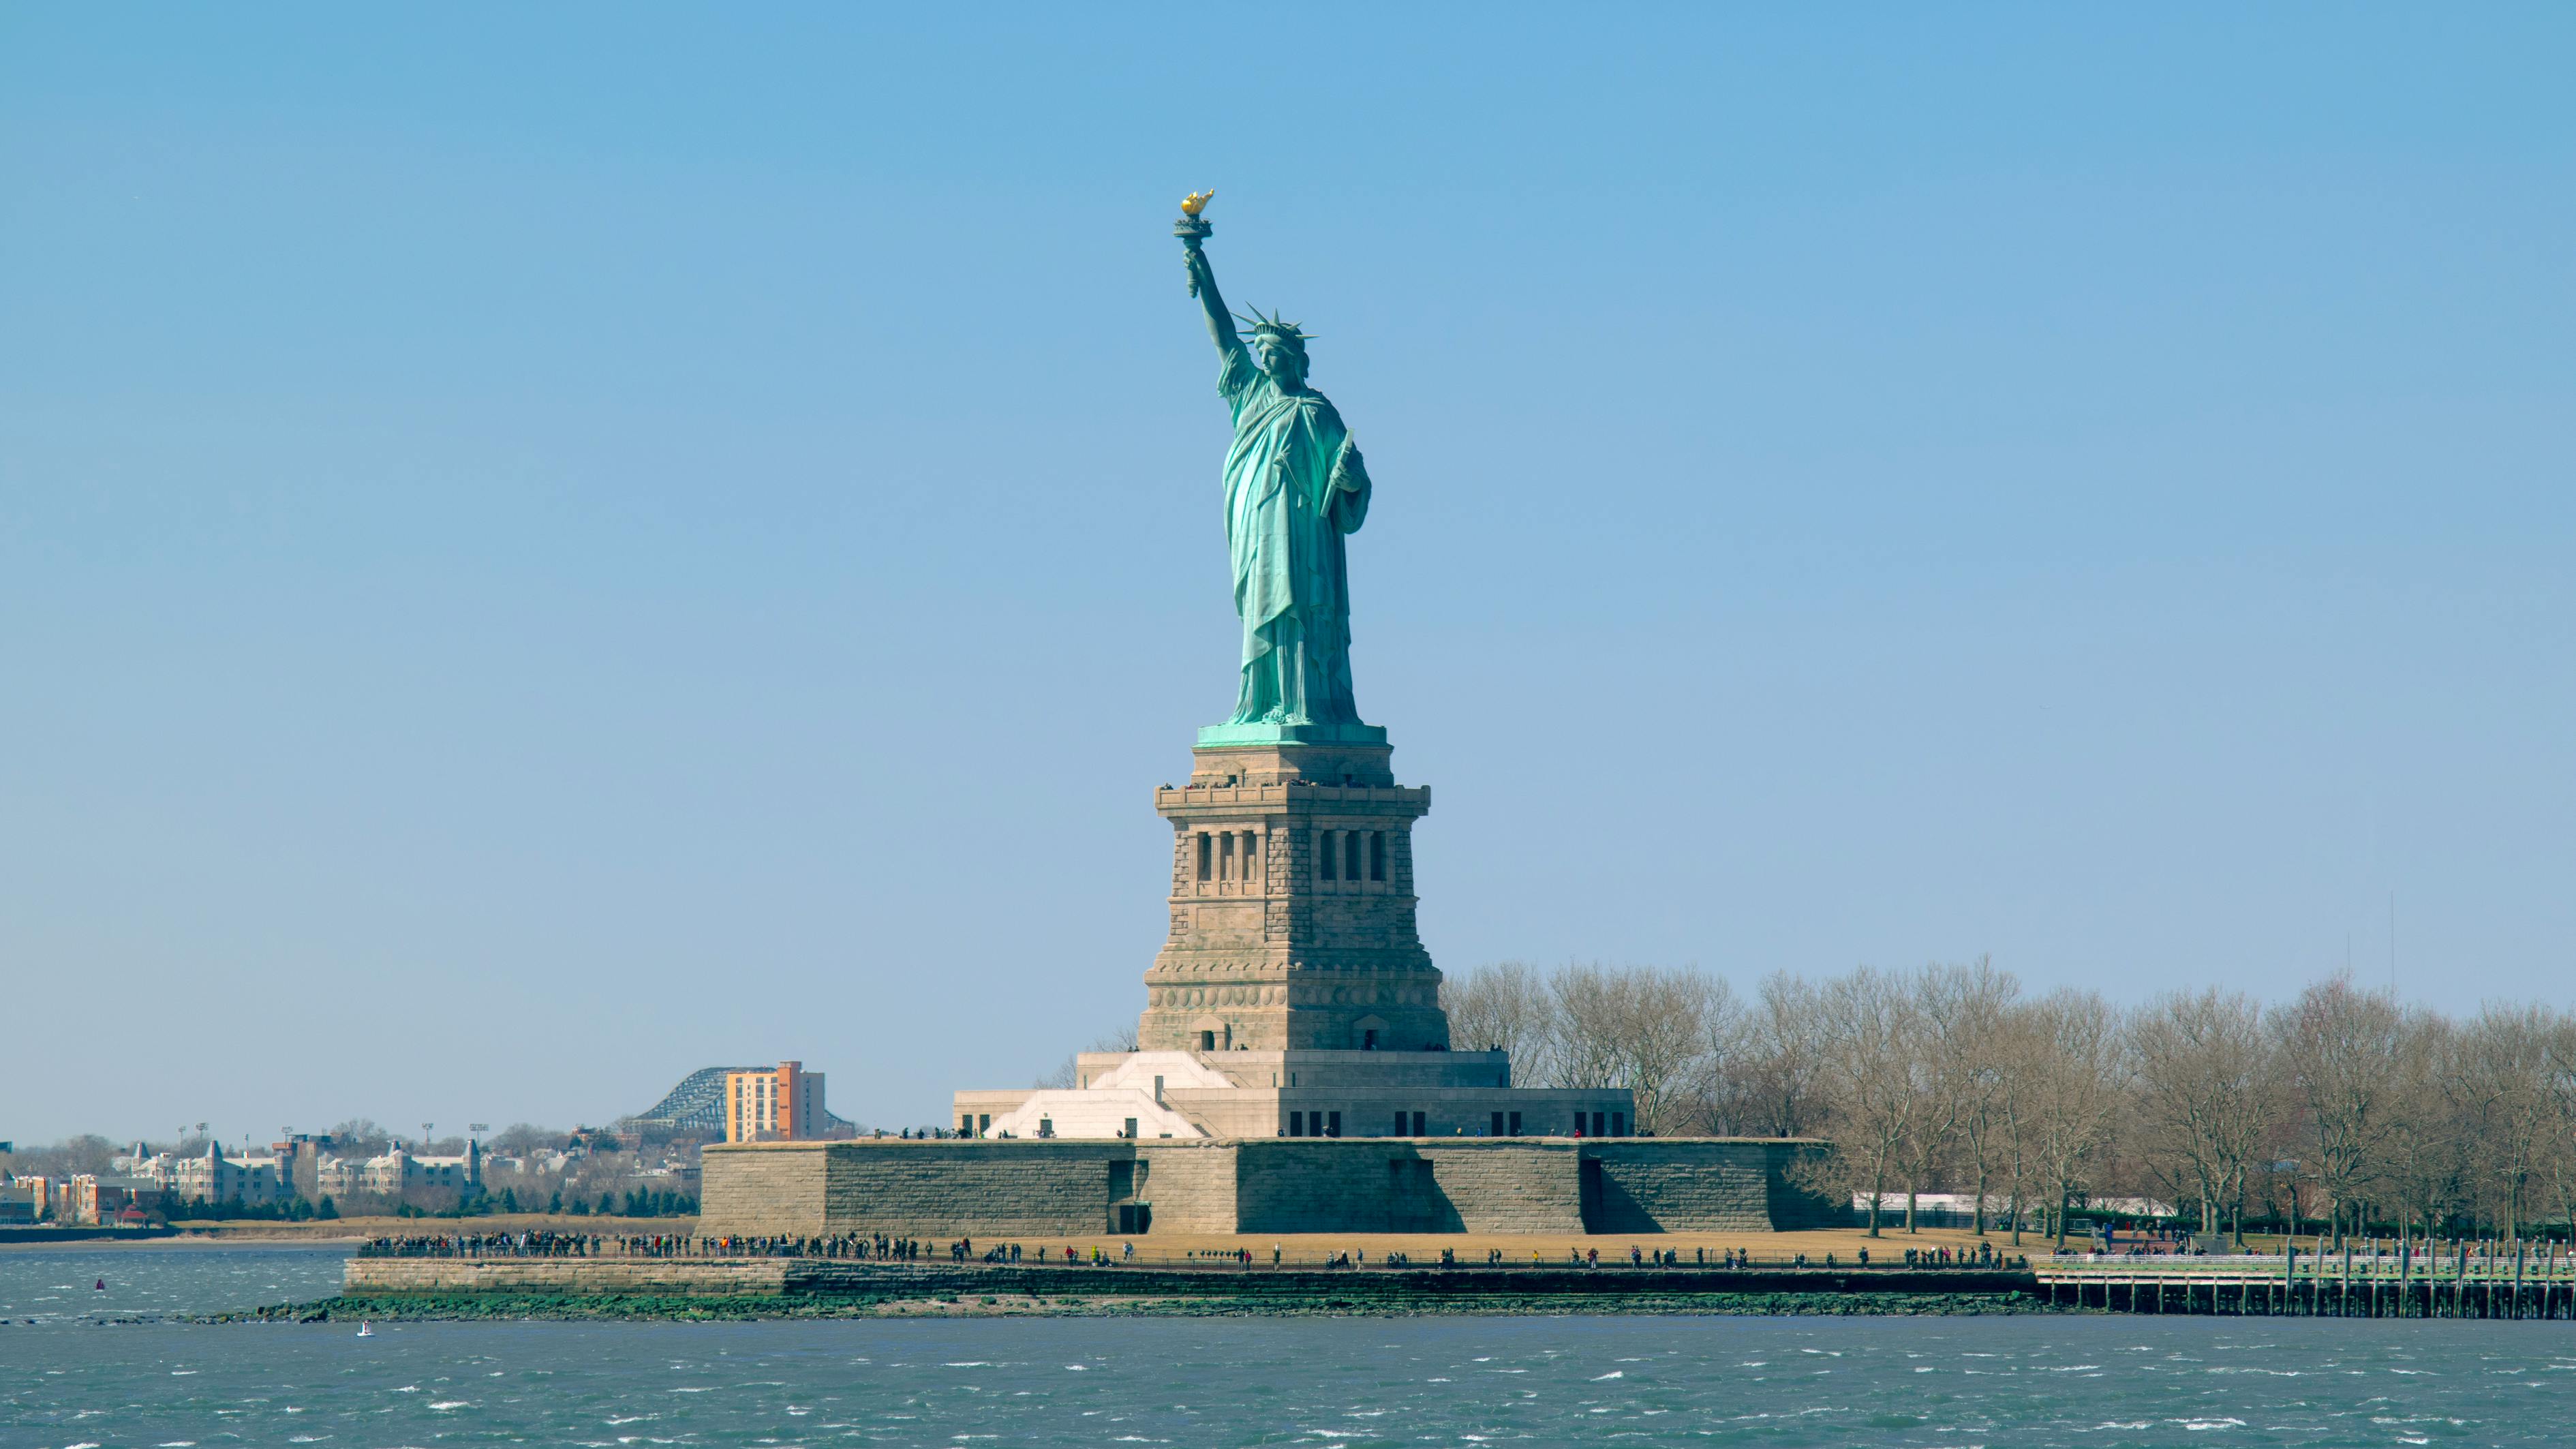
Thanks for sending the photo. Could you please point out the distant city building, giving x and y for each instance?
(91, 1201)
(41, 1194)
(402, 1173)
(299, 1163)
(544, 1162)
(698, 1106)
(783, 1103)
(399, 1172)
(212, 1176)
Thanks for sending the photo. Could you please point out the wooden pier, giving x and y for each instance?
(2404, 1284)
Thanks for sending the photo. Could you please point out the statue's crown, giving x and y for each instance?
(1272, 326)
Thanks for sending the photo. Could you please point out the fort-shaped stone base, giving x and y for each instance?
(950, 1188)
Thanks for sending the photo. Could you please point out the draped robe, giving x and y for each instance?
(1294, 484)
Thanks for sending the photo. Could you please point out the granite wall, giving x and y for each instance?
(773, 1188)
(1646, 1185)
(1191, 1186)
(1038, 1188)
(721, 1277)
(1393, 1185)
(947, 1189)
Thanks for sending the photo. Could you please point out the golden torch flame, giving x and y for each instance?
(1196, 202)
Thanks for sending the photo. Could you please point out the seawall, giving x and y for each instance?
(777, 1284)
(581, 1277)
(1000, 1188)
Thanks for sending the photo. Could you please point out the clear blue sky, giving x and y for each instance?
(546, 547)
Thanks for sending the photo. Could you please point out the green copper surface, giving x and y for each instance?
(1294, 484)
(1353, 733)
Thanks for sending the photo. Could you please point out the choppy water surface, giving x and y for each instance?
(71, 1283)
(2090, 1381)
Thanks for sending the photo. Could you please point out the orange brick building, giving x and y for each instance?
(779, 1104)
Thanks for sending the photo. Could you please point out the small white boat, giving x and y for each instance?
(366, 1330)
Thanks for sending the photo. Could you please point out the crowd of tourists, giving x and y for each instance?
(1984, 1257)
(545, 1244)
(530, 1244)
(881, 1247)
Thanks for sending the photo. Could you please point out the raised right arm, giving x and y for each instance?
(1220, 322)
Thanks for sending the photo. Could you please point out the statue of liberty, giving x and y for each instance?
(1294, 484)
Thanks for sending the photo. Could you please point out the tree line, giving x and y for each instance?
(2342, 1110)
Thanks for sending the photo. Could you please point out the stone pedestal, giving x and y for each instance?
(1292, 905)
(1293, 998)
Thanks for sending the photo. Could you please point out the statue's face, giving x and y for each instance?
(1284, 363)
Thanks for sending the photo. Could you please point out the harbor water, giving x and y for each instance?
(120, 1365)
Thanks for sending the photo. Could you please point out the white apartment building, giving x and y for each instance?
(400, 1173)
(213, 1176)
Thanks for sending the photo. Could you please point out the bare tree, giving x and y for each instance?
(1770, 1087)
(2204, 1094)
(1668, 1020)
(1978, 1080)
(522, 1138)
(2340, 1048)
(1868, 1025)
(2560, 1153)
(2081, 1072)
(2021, 1054)
(1953, 1007)
(2423, 1160)
(2500, 1080)
(1724, 1041)
(1648, 1029)
(1504, 1005)
(1590, 1015)
(361, 1137)
(88, 1153)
